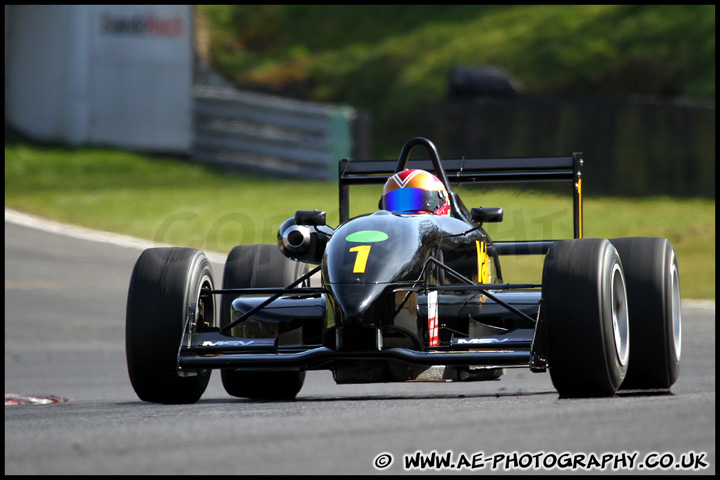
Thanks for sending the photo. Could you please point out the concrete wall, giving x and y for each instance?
(631, 146)
(117, 75)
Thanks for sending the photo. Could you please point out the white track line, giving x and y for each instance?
(83, 233)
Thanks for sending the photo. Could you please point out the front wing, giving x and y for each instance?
(212, 348)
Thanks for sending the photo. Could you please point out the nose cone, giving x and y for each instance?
(370, 256)
(360, 303)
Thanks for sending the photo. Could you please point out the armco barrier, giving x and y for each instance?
(263, 133)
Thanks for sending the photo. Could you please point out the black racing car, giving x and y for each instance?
(407, 296)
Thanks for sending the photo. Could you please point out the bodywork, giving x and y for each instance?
(400, 297)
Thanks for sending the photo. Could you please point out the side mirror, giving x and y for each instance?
(487, 214)
(310, 217)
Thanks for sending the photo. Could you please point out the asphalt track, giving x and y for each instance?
(64, 337)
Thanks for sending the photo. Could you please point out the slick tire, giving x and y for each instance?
(164, 283)
(653, 288)
(586, 314)
(259, 266)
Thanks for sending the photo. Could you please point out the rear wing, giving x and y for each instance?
(464, 171)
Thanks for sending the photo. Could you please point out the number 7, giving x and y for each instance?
(363, 251)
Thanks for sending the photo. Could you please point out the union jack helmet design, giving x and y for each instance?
(414, 192)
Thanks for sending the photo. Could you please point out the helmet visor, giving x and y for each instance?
(407, 200)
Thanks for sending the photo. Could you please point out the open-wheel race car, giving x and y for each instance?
(411, 292)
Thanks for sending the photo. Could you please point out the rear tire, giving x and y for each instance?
(653, 287)
(585, 305)
(164, 282)
(259, 266)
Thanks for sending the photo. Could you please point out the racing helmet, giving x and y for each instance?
(414, 192)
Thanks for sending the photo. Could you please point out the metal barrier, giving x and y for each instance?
(269, 134)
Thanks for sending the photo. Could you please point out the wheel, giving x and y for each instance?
(586, 315)
(653, 287)
(259, 266)
(164, 284)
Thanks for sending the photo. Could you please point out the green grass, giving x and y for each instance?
(169, 200)
(392, 59)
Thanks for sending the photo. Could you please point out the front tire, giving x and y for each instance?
(164, 284)
(586, 313)
(259, 266)
(653, 286)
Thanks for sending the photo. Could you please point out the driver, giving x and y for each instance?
(413, 192)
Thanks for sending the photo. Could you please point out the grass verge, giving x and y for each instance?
(169, 200)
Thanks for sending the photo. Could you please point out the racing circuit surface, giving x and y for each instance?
(64, 338)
